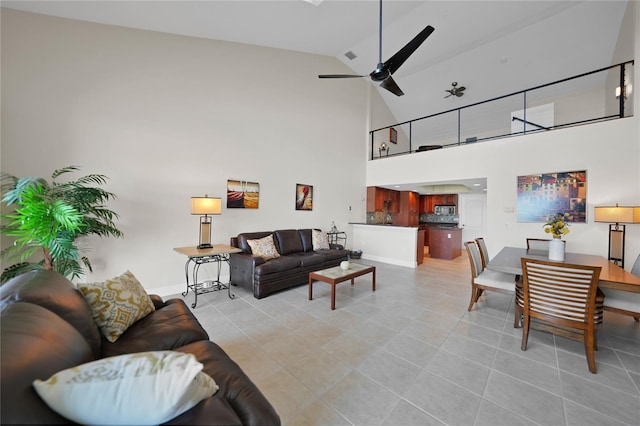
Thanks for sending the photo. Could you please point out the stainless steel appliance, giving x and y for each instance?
(444, 209)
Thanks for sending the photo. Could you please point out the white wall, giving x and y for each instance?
(169, 117)
(609, 152)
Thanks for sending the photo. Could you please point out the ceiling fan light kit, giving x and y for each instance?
(384, 70)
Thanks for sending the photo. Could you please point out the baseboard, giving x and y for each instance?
(391, 261)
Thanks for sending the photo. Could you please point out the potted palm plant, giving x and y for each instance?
(50, 217)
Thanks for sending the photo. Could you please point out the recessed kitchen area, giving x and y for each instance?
(405, 223)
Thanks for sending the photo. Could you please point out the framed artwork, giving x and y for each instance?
(304, 197)
(547, 194)
(393, 135)
(242, 194)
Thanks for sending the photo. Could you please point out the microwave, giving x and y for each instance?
(444, 209)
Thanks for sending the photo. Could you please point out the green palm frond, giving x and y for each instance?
(52, 216)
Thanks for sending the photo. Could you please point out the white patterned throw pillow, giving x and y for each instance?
(264, 247)
(319, 240)
(117, 303)
(143, 388)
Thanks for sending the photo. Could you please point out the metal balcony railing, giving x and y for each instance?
(573, 101)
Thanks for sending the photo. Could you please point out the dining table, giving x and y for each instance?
(612, 276)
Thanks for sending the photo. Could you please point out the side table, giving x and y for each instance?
(337, 237)
(197, 257)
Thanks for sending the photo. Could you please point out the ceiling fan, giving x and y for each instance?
(384, 70)
(455, 91)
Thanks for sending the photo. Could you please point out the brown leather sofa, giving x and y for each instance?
(46, 327)
(297, 259)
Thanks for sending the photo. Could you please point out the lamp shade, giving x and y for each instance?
(617, 214)
(206, 205)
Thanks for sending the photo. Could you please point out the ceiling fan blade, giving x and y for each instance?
(340, 76)
(448, 95)
(462, 89)
(389, 84)
(394, 62)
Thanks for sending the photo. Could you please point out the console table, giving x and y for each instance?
(218, 254)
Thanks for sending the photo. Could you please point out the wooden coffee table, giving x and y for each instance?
(335, 275)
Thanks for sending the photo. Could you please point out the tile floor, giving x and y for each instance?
(411, 354)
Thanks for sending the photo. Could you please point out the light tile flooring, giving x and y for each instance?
(411, 354)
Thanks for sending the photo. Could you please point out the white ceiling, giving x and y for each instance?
(491, 47)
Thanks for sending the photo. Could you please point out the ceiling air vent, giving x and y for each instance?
(350, 55)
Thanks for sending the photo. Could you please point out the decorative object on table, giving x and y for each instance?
(334, 228)
(345, 265)
(383, 149)
(557, 227)
(616, 215)
(242, 194)
(50, 217)
(304, 197)
(543, 194)
(205, 206)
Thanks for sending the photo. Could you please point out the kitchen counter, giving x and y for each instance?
(445, 243)
(439, 225)
(380, 224)
(396, 245)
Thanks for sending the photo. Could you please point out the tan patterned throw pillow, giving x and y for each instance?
(117, 303)
(319, 240)
(264, 247)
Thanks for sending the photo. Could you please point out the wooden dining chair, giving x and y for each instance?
(624, 302)
(539, 244)
(561, 297)
(486, 279)
(484, 253)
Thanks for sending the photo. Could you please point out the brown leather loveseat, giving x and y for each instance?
(297, 259)
(47, 326)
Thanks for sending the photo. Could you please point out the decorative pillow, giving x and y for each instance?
(117, 303)
(264, 247)
(143, 388)
(319, 240)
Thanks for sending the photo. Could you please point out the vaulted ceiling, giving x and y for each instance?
(491, 47)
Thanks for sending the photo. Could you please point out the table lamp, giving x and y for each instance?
(616, 215)
(205, 206)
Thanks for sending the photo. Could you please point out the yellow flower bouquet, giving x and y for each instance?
(557, 226)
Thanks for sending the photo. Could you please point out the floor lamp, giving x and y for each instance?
(205, 206)
(615, 215)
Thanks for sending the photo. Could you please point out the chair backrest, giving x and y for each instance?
(539, 244)
(635, 270)
(562, 291)
(484, 253)
(474, 258)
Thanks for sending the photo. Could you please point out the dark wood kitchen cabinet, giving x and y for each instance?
(378, 197)
(408, 214)
(424, 204)
(430, 201)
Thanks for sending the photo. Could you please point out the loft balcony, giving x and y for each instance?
(595, 96)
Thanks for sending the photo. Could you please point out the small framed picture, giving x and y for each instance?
(304, 197)
(393, 135)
